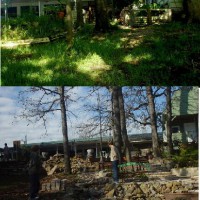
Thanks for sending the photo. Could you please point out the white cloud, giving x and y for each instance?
(16, 129)
(6, 105)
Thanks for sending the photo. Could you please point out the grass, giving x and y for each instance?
(166, 54)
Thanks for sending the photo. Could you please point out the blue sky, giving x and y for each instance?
(16, 129)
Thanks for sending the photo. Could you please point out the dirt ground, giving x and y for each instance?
(14, 187)
(17, 188)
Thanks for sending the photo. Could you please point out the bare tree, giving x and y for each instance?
(50, 100)
(63, 102)
(123, 125)
(168, 122)
(151, 105)
(106, 119)
(136, 106)
(99, 111)
(117, 137)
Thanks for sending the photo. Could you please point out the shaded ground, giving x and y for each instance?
(14, 187)
(86, 186)
(17, 188)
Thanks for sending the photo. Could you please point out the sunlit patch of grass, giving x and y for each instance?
(92, 65)
(128, 58)
(92, 62)
(44, 61)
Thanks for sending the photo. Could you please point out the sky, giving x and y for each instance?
(12, 128)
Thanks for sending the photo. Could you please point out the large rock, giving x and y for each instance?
(189, 171)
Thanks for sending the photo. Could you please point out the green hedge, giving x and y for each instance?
(187, 156)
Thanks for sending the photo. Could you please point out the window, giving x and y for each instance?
(12, 12)
(29, 9)
(2, 12)
(175, 129)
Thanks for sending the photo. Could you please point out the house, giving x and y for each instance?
(185, 111)
(14, 8)
(138, 142)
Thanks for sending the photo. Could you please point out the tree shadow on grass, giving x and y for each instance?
(38, 68)
(160, 58)
(146, 56)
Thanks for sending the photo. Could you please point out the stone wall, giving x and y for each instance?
(153, 190)
(149, 190)
(55, 185)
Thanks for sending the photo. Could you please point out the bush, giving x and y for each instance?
(187, 156)
(31, 26)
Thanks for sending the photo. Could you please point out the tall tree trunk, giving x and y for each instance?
(69, 23)
(64, 130)
(117, 138)
(149, 18)
(151, 104)
(79, 13)
(168, 124)
(100, 127)
(102, 22)
(123, 125)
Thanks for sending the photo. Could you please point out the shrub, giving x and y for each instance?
(187, 156)
(31, 26)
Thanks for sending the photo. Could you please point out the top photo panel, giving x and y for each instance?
(100, 42)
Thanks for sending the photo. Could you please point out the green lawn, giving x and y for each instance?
(167, 54)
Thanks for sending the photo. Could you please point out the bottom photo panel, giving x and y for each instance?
(76, 143)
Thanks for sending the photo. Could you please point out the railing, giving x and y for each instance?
(144, 16)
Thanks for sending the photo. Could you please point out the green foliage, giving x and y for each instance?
(150, 6)
(31, 26)
(54, 8)
(187, 156)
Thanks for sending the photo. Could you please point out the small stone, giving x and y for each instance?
(110, 194)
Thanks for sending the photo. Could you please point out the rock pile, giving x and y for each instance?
(152, 190)
(56, 165)
(100, 185)
(83, 165)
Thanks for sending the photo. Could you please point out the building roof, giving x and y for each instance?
(133, 138)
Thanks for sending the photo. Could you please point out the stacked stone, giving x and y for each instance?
(98, 185)
(79, 165)
(56, 164)
(55, 185)
(152, 190)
